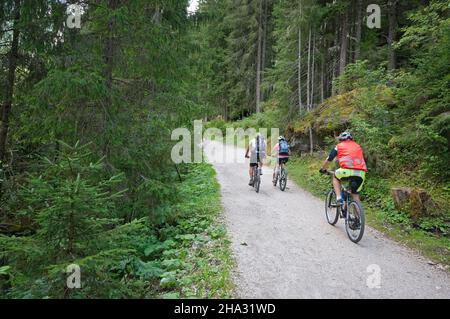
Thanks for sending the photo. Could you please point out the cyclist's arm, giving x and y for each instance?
(275, 150)
(329, 159)
(247, 151)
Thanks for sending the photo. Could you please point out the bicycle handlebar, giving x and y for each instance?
(327, 172)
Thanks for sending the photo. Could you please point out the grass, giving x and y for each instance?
(380, 212)
(200, 252)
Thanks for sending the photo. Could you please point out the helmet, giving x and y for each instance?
(345, 136)
(281, 138)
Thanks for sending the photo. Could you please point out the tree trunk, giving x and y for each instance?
(311, 102)
(313, 72)
(359, 8)
(392, 4)
(308, 80)
(225, 110)
(335, 57)
(110, 47)
(322, 75)
(344, 43)
(264, 46)
(10, 81)
(258, 62)
(299, 79)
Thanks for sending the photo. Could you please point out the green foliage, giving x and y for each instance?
(68, 206)
(359, 75)
(133, 260)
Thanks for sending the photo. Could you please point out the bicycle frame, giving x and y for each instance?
(347, 196)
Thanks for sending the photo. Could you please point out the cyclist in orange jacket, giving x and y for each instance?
(353, 168)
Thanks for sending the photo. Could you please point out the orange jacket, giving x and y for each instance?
(350, 156)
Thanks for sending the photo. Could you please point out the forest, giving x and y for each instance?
(317, 68)
(87, 113)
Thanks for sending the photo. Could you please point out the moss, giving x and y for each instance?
(336, 113)
(331, 115)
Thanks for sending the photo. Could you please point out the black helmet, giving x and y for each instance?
(345, 137)
(281, 138)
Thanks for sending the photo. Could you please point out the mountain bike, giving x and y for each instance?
(281, 178)
(351, 211)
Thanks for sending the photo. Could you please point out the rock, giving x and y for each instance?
(415, 202)
(299, 144)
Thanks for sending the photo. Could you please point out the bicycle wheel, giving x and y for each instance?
(283, 180)
(355, 222)
(257, 180)
(331, 211)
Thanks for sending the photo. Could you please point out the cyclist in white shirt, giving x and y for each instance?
(257, 150)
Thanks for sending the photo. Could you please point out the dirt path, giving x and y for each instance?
(284, 248)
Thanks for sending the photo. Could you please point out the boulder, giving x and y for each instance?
(299, 144)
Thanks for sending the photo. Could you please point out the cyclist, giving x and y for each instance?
(282, 151)
(353, 168)
(257, 148)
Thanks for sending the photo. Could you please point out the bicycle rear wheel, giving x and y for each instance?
(283, 179)
(355, 222)
(331, 211)
(257, 184)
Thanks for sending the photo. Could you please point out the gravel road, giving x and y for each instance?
(284, 248)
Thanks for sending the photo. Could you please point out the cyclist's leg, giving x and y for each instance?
(338, 175)
(275, 170)
(277, 167)
(261, 158)
(358, 184)
(253, 161)
(252, 166)
(337, 187)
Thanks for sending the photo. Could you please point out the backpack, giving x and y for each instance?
(260, 146)
(283, 147)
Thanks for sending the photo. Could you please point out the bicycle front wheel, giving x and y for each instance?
(355, 222)
(331, 211)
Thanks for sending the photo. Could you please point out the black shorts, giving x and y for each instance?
(354, 183)
(258, 160)
(283, 160)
